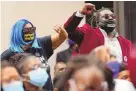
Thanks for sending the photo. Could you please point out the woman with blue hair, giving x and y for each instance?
(23, 39)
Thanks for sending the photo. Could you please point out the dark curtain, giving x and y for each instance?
(130, 20)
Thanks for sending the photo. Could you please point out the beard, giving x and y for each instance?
(107, 25)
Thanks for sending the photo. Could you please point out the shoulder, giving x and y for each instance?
(43, 39)
(7, 54)
(86, 28)
(127, 43)
(124, 39)
(46, 44)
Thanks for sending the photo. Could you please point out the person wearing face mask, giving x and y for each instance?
(33, 73)
(10, 78)
(24, 39)
(88, 37)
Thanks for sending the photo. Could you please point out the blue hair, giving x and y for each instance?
(16, 40)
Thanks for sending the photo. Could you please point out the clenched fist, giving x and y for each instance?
(88, 8)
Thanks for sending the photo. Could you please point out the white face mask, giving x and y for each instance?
(13, 86)
(73, 87)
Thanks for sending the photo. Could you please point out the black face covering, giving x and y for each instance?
(28, 37)
(28, 34)
(107, 25)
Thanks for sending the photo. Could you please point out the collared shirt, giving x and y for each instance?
(113, 44)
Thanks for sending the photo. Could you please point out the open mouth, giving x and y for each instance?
(111, 25)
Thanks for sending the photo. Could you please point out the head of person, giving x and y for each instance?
(102, 54)
(59, 67)
(72, 44)
(83, 74)
(10, 78)
(34, 73)
(124, 73)
(23, 36)
(106, 20)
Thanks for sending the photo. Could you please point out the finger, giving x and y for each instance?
(90, 6)
(62, 27)
(93, 7)
(57, 29)
(90, 9)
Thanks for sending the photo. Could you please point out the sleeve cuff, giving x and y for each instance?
(78, 14)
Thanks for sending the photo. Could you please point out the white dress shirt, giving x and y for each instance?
(113, 44)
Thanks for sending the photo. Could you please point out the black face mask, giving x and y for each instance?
(28, 37)
(107, 25)
(28, 34)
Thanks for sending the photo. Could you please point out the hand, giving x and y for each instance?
(60, 29)
(88, 9)
(103, 53)
(58, 38)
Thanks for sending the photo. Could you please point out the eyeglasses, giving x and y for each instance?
(29, 30)
(44, 66)
(107, 16)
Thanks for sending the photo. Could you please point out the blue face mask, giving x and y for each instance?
(14, 86)
(38, 77)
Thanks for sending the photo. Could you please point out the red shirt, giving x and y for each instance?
(132, 66)
(92, 37)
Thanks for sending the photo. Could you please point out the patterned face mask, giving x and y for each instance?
(29, 34)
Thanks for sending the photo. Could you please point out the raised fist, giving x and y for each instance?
(88, 8)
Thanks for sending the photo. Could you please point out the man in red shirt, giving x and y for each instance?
(89, 38)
